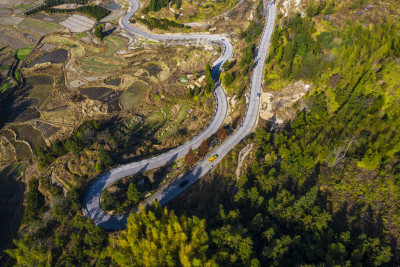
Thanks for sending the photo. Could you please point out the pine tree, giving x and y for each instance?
(159, 238)
(27, 253)
(209, 79)
(221, 134)
(190, 158)
(34, 201)
(98, 31)
(133, 193)
(203, 149)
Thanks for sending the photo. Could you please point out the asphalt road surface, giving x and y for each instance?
(91, 205)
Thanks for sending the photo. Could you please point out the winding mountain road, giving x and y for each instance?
(91, 205)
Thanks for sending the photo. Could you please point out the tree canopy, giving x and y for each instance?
(157, 237)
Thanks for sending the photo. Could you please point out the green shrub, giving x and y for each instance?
(163, 24)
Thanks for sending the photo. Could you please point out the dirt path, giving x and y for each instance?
(242, 156)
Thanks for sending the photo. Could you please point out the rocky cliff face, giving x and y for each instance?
(287, 7)
(282, 106)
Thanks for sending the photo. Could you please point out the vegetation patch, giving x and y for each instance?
(163, 24)
(91, 65)
(97, 12)
(75, 47)
(123, 195)
(4, 67)
(187, 10)
(10, 21)
(4, 87)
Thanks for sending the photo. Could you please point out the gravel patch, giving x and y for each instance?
(76, 83)
(96, 78)
(278, 106)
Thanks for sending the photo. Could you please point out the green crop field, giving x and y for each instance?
(24, 52)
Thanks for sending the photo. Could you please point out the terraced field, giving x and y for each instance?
(47, 129)
(24, 110)
(24, 52)
(113, 82)
(27, 133)
(75, 47)
(133, 95)
(114, 44)
(15, 150)
(40, 27)
(56, 56)
(104, 95)
(106, 61)
(42, 88)
(153, 69)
